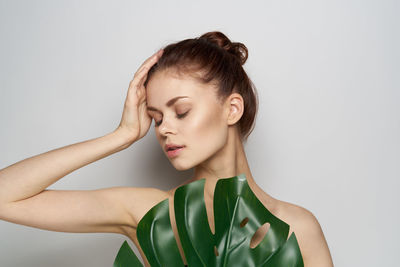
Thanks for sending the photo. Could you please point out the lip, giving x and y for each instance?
(175, 152)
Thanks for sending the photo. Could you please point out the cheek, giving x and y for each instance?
(205, 133)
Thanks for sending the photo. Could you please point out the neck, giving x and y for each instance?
(228, 162)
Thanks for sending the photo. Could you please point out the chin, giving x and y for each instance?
(181, 167)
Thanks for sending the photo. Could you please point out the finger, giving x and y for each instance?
(151, 60)
(145, 68)
(142, 71)
(141, 75)
(138, 84)
(139, 80)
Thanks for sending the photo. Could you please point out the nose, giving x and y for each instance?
(165, 128)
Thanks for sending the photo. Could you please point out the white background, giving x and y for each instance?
(328, 127)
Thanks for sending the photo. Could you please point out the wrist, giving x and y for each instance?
(125, 138)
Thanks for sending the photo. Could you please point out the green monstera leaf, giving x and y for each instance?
(126, 257)
(237, 216)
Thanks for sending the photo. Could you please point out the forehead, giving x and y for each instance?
(167, 84)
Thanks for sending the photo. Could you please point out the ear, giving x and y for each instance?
(235, 107)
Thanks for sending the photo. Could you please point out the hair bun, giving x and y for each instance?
(237, 49)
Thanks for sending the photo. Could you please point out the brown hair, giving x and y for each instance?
(212, 57)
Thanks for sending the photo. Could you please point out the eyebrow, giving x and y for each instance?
(169, 103)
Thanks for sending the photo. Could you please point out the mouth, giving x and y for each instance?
(173, 150)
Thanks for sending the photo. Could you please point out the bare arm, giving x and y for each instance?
(25, 200)
(31, 176)
(313, 245)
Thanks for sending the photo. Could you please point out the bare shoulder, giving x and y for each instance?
(296, 216)
(308, 231)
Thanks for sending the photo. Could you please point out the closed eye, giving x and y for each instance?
(179, 116)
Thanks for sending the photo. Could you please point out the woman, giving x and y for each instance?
(204, 107)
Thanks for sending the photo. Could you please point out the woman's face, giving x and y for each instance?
(187, 114)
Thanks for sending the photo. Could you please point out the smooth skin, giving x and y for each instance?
(206, 127)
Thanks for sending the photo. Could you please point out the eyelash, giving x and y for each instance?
(179, 116)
